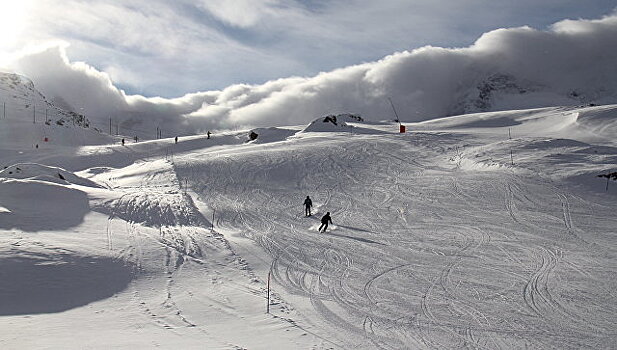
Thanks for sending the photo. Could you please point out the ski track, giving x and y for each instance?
(366, 282)
(421, 253)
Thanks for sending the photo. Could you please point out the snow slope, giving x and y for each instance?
(29, 120)
(487, 231)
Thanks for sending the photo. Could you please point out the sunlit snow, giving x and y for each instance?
(488, 231)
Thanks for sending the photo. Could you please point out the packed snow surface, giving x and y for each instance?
(484, 231)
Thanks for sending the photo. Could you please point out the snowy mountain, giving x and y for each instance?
(486, 230)
(30, 118)
(497, 92)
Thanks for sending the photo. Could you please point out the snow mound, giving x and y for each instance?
(154, 209)
(333, 123)
(33, 171)
(35, 206)
(600, 120)
(273, 134)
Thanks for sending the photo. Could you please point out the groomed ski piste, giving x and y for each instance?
(483, 231)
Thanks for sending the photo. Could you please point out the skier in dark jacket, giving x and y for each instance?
(308, 203)
(324, 222)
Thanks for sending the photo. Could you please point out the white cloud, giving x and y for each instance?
(573, 62)
(174, 47)
(240, 13)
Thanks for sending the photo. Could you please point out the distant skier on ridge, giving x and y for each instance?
(308, 203)
(324, 222)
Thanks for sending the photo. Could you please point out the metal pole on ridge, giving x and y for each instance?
(268, 294)
(401, 127)
(394, 109)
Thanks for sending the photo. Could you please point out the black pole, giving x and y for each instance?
(268, 295)
(394, 109)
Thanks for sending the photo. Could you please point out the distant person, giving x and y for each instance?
(176, 139)
(308, 203)
(324, 222)
(209, 133)
(122, 142)
(136, 139)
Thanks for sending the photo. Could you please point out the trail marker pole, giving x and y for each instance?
(509, 134)
(511, 158)
(268, 294)
(213, 212)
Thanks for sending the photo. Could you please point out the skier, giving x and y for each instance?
(122, 142)
(209, 133)
(308, 203)
(176, 139)
(324, 222)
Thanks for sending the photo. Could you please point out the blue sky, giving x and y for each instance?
(170, 48)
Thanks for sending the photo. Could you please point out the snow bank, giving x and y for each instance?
(266, 135)
(601, 120)
(154, 209)
(33, 171)
(33, 205)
